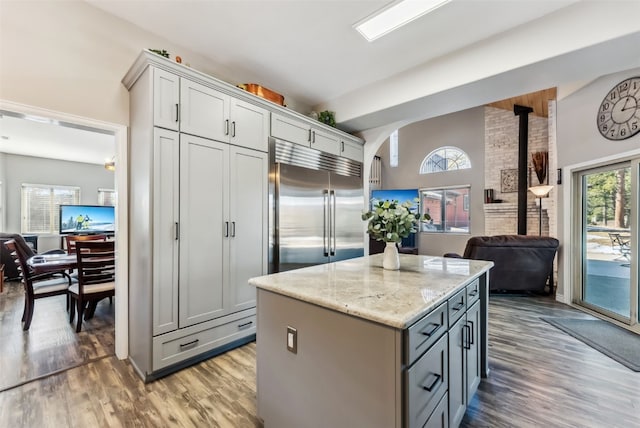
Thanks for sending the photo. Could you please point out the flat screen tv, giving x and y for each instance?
(87, 219)
(400, 195)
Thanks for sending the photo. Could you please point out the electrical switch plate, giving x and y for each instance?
(292, 340)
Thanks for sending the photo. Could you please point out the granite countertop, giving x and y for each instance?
(362, 288)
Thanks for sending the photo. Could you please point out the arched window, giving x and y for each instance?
(445, 159)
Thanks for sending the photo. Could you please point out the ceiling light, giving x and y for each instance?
(110, 164)
(395, 16)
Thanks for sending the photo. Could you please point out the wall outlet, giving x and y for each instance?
(292, 340)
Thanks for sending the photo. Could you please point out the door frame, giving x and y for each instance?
(569, 257)
(122, 220)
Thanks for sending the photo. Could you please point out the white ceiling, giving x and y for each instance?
(466, 53)
(308, 49)
(44, 138)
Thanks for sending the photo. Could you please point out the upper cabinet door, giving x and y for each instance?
(204, 111)
(249, 126)
(352, 150)
(325, 142)
(290, 129)
(166, 96)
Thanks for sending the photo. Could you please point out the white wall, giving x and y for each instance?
(464, 130)
(580, 143)
(3, 202)
(32, 170)
(69, 56)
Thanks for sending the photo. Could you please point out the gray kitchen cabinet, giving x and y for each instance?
(290, 129)
(201, 110)
(198, 222)
(464, 357)
(352, 150)
(316, 136)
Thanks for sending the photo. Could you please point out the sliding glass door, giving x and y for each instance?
(609, 235)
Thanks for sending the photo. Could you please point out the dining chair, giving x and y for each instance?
(36, 286)
(96, 278)
(72, 239)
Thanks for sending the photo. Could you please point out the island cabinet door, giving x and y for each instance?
(426, 382)
(473, 350)
(457, 371)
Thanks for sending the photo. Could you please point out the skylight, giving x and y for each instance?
(394, 16)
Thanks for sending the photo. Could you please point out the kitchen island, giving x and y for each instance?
(349, 344)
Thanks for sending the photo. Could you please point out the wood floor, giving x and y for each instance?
(540, 377)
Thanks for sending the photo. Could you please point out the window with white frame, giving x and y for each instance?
(40, 206)
(393, 149)
(448, 209)
(107, 197)
(446, 158)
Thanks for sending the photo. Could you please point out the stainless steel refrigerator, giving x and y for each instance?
(316, 201)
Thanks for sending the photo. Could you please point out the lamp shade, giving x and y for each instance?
(540, 191)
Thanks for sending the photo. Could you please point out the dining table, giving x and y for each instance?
(49, 263)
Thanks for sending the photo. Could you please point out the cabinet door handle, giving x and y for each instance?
(432, 331)
(325, 220)
(470, 334)
(474, 293)
(226, 127)
(465, 337)
(245, 324)
(433, 384)
(313, 139)
(233, 128)
(226, 229)
(342, 146)
(459, 306)
(189, 345)
(233, 229)
(177, 112)
(309, 135)
(177, 231)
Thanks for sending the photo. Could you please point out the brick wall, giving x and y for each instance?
(501, 153)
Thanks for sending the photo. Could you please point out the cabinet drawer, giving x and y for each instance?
(172, 348)
(440, 416)
(473, 292)
(426, 383)
(424, 333)
(457, 306)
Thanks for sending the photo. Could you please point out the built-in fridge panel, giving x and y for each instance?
(347, 225)
(302, 224)
(316, 201)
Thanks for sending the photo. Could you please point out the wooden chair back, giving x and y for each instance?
(96, 262)
(73, 239)
(36, 286)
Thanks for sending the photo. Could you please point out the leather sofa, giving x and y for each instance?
(522, 263)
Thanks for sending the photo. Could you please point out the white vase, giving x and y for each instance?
(390, 259)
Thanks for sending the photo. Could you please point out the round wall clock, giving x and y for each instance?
(619, 112)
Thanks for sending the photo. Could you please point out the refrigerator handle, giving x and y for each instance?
(332, 223)
(326, 231)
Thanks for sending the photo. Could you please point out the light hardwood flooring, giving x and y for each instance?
(540, 377)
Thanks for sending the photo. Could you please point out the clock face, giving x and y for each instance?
(619, 113)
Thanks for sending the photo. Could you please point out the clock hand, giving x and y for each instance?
(624, 107)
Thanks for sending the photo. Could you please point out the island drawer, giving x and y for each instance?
(180, 345)
(457, 306)
(426, 383)
(424, 333)
(473, 292)
(440, 416)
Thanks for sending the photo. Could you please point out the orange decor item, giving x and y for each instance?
(263, 92)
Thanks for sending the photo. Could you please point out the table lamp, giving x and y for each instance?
(540, 192)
